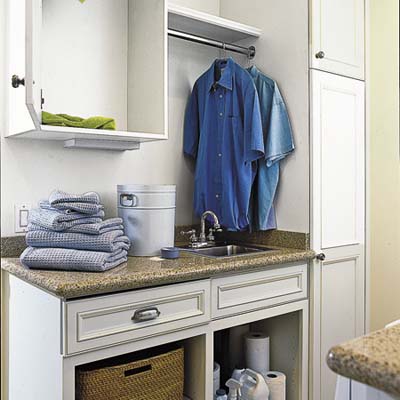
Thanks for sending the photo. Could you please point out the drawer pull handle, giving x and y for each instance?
(146, 314)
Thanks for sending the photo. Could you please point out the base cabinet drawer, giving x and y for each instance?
(108, 320)
(249, 291)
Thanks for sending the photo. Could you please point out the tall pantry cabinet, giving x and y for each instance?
(337, 195)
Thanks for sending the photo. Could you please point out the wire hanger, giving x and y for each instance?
(223, 51)
(249, 61)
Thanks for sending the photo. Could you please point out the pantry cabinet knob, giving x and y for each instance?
(320, 54)
(16, 81)
(320, 256)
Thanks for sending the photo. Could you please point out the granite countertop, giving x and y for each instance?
(373, 359)
(140, 272)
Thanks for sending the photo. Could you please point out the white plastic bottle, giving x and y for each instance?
(234, 389)
(221, 395)
(254, 386)
(237, 373)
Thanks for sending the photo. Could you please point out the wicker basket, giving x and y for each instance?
(156, 378)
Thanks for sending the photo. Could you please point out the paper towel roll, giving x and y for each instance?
(276, 382)
(216, 378)
(256, 351)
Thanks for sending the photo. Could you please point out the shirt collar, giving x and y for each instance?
(253, 71)
(226, 79)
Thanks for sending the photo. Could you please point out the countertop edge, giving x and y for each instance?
(69, 291)
(361, 367)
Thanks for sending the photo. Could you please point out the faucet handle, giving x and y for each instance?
(210, 236)
(192, 233)
(217, 228)
(188, 232)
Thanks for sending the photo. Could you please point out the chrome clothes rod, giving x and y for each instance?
(250, 52)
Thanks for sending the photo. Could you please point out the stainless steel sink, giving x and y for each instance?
(227, 250)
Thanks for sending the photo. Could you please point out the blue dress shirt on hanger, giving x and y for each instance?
(223, 133)
(278, 141)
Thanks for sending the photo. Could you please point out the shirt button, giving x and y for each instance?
(221, 114)
(217, 196)
(221, 96)
(219, 155)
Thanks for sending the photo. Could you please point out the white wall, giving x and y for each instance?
(282, 53)
(384, 107)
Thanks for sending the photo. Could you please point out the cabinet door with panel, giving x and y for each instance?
(341, 309)
(338, 213)
(338, 37)
(338, 161)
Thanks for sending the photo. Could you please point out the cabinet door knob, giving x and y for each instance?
(16, 81)
(320, 256)
(320, 54)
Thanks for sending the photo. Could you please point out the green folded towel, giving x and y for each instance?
(78, 122)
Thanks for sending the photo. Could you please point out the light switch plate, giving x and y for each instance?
(21, 214)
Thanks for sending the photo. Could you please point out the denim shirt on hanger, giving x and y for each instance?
(278, 141)
(223, 133)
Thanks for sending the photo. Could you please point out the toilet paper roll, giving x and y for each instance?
(256, 351)
(276, 382)
(216, 377)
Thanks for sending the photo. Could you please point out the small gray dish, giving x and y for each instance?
(170, 253)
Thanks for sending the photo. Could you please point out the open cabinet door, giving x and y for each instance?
(18, 118)
(33, 60)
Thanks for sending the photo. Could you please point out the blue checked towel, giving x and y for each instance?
(84, 208)
(61, 220)
(106, 242)
(72, 260)
(96, 228)
(59, 196)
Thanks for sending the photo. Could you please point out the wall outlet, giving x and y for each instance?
(21, 214)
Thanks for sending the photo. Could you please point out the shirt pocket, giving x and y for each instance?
(235, 125)
(237, 137)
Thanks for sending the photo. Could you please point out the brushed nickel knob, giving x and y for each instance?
(16, 81)
(320, 55)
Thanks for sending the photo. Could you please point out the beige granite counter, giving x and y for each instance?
(141, 272)
(373, 359)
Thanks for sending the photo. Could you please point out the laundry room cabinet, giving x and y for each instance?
(337, 37)
(110, 43)
(337, 223)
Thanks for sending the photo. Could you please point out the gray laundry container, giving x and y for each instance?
(148, 212)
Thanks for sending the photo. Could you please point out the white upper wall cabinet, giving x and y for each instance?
(337, 38)
(96, 58)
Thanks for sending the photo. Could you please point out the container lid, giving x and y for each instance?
(138, 188)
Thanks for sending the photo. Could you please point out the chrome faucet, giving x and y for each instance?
(215, 228)
(204, 240)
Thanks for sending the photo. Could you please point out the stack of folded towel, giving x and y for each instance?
(68, 232)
